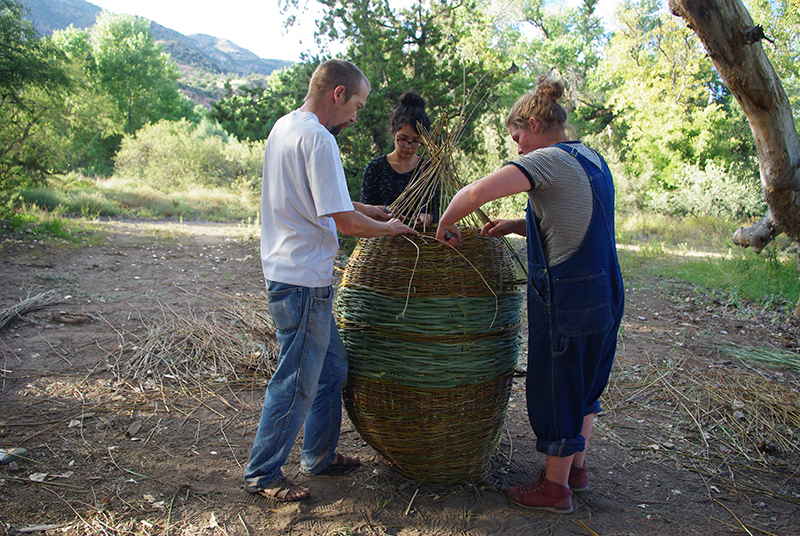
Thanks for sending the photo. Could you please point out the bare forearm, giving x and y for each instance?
(356, 224)
(502, 227)
(462, 204)
(361, 226)
(376, 212)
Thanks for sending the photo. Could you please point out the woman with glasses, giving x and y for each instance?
(387, 176)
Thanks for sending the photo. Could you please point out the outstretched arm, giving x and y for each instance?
(356, 224)
(506, 181)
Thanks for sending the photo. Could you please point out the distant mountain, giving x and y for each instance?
(205, 62)
(51, 15)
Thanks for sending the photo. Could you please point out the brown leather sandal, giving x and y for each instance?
(341, 464)
(284, 490)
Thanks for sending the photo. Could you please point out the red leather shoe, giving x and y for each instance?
(542, 495)
(578, 478)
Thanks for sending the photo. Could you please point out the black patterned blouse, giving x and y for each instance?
(381, 184)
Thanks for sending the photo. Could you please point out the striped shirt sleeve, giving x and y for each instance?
(561, 197)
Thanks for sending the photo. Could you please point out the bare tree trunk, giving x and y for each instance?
(733, 44)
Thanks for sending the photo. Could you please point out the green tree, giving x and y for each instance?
(524, 39)
(417, 47)
(249, 112)
(136, 73)
(92, 131)
(31, 82)
(781, 22)
(670, 106)
(420, 47)
(175, 155)
(241, 112)
(569, 40)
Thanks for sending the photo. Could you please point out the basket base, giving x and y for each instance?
(442, 436)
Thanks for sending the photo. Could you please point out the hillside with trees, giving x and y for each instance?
(204, 62)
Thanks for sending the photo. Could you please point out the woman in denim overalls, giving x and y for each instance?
(575, 290)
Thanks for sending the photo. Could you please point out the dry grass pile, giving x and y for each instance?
(234, 342)
(31, 303)
(736, 425)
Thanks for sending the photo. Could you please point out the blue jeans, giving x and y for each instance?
(305, 389)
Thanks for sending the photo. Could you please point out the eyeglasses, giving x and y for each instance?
(405, 143)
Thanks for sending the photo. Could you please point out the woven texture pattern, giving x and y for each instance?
(433, 337)
(441, 436)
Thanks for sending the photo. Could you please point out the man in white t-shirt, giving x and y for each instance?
(304, 201)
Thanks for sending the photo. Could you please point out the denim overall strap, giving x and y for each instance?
(602, 186)
(593, 271)
(574, 310)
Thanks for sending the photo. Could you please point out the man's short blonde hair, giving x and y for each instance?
(332, 73)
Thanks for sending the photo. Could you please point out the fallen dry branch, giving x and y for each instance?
(31, 303)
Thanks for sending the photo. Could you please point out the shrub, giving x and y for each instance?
(732, 194)
(41, 197)
(91, 204)
(175, 155)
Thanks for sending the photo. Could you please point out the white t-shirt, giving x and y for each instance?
(302, 184)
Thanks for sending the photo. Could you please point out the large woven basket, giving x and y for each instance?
(433, 338)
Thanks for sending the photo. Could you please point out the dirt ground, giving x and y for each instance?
(693, 440)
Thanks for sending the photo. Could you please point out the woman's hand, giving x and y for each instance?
(449, 234)
(500, 227)
(423, 220)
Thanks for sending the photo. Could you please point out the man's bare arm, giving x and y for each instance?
(356, 224)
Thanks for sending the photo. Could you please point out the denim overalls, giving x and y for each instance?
(574, 313)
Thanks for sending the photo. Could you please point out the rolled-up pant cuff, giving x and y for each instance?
(561, 448)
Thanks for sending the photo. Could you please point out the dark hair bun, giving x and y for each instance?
(410, 111)
(412, 99)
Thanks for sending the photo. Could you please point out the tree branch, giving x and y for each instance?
(759, 235)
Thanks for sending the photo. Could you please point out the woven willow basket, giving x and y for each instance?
(433, 337)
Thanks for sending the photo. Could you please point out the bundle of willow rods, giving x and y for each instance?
(433, 334)
(234, 343)
(31, 303)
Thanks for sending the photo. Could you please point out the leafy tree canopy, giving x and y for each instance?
(135, 72)
(30, 84)
(249, 112)
(92, 127)
(417, 47)
(670, 103)
(780, 20)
